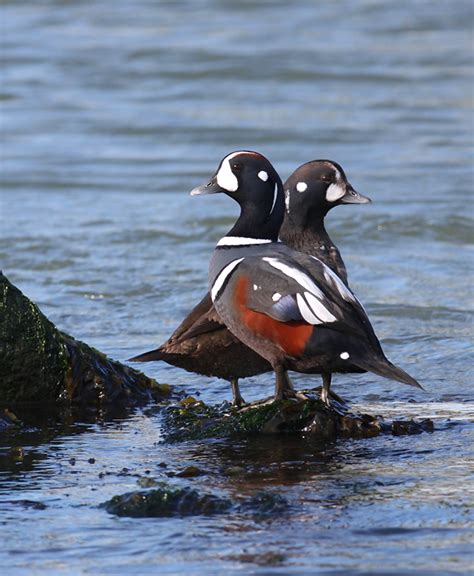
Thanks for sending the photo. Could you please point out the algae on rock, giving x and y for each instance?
(39, 363)
(192, 419)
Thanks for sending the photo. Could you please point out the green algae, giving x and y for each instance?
(33, 357)
(307, 415)
(39, 363)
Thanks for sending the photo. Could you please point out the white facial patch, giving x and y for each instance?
(263, 175)
(275, 195)
(287, 200)
(335, 191)
(301, 186)
(300, 277)
(222, 277)
(226, 179)
(276, 297)
(344, 355)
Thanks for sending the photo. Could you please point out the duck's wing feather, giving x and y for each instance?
(303, 289)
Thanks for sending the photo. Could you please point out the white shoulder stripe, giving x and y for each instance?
(306, 311)
(333, 278)
(222, 277)
(300, 277)
(317, 308)
(241, 241)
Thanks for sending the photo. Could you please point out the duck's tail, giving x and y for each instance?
(151, 356)
(385, 368)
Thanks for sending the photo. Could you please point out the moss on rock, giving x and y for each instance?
(39, 363)
(192, 419)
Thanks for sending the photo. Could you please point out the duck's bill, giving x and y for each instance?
(353, 197)
(212, 187)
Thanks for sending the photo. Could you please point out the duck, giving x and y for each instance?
(287, 306)
(202, 343)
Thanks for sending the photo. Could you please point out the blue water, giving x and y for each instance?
(111, 113)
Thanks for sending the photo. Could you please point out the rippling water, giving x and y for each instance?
(112, 112)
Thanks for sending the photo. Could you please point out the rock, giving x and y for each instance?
(304, 415)
(190, 472)
(39, 363)
(404, 427)
(265, 504)
(166, 501)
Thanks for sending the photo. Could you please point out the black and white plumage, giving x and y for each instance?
(287, 306)
(202, 343)
(310, 193)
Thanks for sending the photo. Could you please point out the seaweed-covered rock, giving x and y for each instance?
(192, 419)
(166, 501)
(38, 363)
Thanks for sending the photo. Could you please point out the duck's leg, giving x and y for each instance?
(326, 386)
(237, 399)
(283, 386)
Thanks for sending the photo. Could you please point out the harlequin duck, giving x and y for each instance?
(202, 343)
(287, 306)
(310, 192)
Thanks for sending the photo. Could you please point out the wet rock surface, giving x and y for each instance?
(166, 501)
(308, 415)
(39, 363)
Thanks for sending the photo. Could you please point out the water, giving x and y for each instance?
(110, 116)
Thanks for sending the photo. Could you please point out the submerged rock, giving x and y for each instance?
(192, 419)
(39, 363)
(166, 501)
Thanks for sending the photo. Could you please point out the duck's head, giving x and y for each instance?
(251, 180)
(316, 187)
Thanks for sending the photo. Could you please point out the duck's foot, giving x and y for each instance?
(237, 398)
(283, 387)
(286, 394)
(325, 389)
(239, 402)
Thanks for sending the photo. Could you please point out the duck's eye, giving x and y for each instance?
(326, 178)
(237, 167)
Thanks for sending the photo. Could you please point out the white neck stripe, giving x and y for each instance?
(240, 241)
(275, 194)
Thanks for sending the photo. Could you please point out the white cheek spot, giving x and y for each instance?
(263, 175)
(344, 355)
(226, 179)
(255, 287)
(334, 192)
(276, 297)
(287, 200)
(301, 186)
